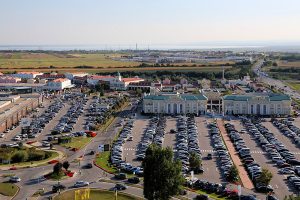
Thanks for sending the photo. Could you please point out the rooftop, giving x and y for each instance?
(131, 79)
(60, 80)
(186, 97)
(246, 97)
(99, 77)
(29, 73)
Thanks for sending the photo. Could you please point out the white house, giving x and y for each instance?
(59, 84)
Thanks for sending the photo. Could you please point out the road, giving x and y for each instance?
(277, 84)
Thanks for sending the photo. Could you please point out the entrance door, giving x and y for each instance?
(175, 111)
(258, 109)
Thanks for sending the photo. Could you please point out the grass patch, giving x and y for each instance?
(294, 85)
(78, 142)
(96, 195)
(8, 189)
(102, 160)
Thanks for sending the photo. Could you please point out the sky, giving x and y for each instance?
(119, 22)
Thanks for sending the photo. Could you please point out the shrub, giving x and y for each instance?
(20, 156)
(36, 155)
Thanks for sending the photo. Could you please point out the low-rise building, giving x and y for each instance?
(59, 84)
(51, 76)
(175, 103)
(9, 79)
(115, 82)
(27, 75)
(257, 104)
(72, 75)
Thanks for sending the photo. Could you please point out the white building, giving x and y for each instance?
(94, 79)
(174, 103)
(257, 104)
(115, 82)
(26, 75)
(72, 75)
(59, 84)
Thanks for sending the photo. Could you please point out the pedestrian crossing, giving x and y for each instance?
(257, 152)
(130, 149)
(208, 150)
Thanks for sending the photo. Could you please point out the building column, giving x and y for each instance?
(219, 106)
(211, 106)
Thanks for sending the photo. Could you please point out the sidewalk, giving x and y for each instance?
(246, 181)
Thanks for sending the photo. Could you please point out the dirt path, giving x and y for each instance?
(246, 182)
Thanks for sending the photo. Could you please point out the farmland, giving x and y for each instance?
(87, 62)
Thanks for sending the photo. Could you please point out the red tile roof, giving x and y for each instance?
(131, 79)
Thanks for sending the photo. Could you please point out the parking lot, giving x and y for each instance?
(211, 170)
(178, 133)
(261, 157)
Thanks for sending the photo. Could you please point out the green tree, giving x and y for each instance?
(194, 160)
(57, 168)
(233, 174)
(162, 175)
(66, 165)
(139, 92)
(20, 156)
(265, 177)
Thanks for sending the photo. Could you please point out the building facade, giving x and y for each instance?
(115, 82)
(59, 84)
(175, 103)
(257, 104)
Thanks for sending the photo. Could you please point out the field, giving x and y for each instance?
(78, 142)
(95, 195)
(294, 85)
(89, 62)
(286, 64)
(38, 60)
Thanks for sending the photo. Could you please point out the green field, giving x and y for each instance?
(96, 195)
(294, 85)
(8, 189)
(102, 160)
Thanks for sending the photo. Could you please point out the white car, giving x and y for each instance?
(2, 135)
(81, 184)
(17, 138)
(14, 179)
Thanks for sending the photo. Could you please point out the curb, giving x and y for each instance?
(16, 193)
